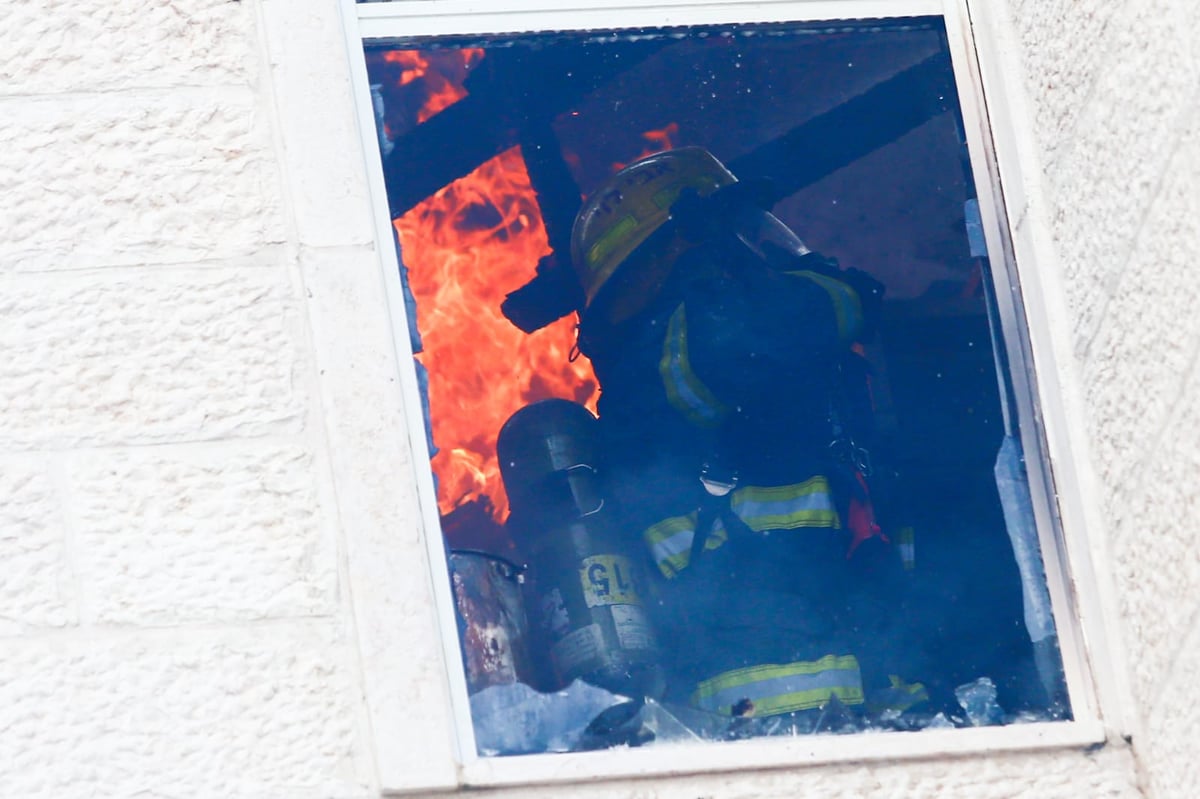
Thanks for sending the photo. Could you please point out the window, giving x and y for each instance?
(727, 402)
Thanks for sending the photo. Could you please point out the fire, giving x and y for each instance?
(656, 141)
(413, 65)
(446, 85)
(661, 139)
(466, 247)
(433, 80)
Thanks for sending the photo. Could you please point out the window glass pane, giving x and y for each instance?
(721, 441)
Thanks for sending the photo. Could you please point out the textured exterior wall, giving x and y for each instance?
(1113, 88)
(1107, 774)
(212, 576)
(173, 613)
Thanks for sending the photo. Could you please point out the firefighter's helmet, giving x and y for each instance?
(626, 210)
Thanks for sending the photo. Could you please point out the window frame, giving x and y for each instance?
(1030, 338)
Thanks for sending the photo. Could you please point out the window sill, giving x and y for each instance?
(772, 753)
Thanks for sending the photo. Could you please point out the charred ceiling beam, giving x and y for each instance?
(542, 300)
(510, 92)
(857, 127)
(799, 158)
(558, 195)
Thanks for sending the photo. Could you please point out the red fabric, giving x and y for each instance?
(861, 521)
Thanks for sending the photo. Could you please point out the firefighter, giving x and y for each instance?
(731, 417)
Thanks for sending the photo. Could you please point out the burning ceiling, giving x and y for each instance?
(491, 149)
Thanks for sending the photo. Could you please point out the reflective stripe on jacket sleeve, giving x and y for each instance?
(846, 305)
(783, 688)
(670, 541)
(697, 401)
(685, 391)
(787, 507)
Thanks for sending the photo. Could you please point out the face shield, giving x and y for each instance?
(767, 237)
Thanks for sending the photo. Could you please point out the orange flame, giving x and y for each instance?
(411, 62)
(656, 141)
(660, 139)
(447, 89)
(441, 73)
(466, 247)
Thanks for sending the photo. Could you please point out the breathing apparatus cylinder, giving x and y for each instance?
(583, 586)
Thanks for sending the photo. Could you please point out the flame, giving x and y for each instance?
(447, 89)
(441, 74)
(660, 139)
(466, 247)
(657, 140)
(413, 65)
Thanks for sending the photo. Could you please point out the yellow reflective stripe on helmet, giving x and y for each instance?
(685, 391)
(703, 183)
(783, 688)
(611, 239)
(846, 304)
(670, 542)
(787, 507)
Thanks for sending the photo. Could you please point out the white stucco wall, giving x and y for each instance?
(1113, 92)
(212, 577)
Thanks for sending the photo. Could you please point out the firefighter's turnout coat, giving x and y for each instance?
(737, 368)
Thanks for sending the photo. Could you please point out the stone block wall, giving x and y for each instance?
(173, 616)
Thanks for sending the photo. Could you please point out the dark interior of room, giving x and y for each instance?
(856, 126)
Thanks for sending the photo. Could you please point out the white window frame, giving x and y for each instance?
(1081, 604)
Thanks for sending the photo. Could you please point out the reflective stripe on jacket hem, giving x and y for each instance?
(761, 508)
(783, 688)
